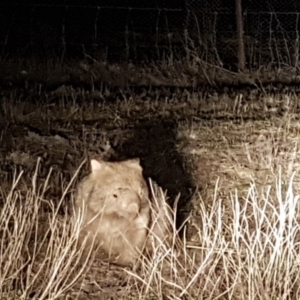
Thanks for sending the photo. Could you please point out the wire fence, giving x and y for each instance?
(128, 29)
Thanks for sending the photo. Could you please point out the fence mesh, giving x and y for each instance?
(130, 29)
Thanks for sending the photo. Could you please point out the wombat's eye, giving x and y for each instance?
(115, 195)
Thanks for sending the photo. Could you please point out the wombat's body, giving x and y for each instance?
(114, 200)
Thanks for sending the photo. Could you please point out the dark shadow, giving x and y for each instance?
(154, 142)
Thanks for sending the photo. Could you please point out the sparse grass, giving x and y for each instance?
(38, 254)
(247, 251)
(241, 240)
(190, 71)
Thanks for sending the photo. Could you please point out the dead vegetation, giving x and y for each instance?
(189, 72)
(232, 157)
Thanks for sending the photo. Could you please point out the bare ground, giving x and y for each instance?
(188, 140)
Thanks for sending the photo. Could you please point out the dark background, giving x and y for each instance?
(135, 29)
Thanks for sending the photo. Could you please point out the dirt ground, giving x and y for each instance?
(179, 133)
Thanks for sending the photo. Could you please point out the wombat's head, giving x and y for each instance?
(120, 186)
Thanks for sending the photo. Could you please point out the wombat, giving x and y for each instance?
(114, 202)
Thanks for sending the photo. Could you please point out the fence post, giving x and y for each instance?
(240, 34)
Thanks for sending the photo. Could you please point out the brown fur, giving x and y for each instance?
(114, 201)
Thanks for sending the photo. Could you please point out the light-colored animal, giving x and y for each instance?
(113, 201)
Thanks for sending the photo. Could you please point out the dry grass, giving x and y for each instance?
(38, 254)
(191, 71)
(241, 240)
(249, 250)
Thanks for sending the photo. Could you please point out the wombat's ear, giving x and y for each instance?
(135, 162)
(96, 165)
